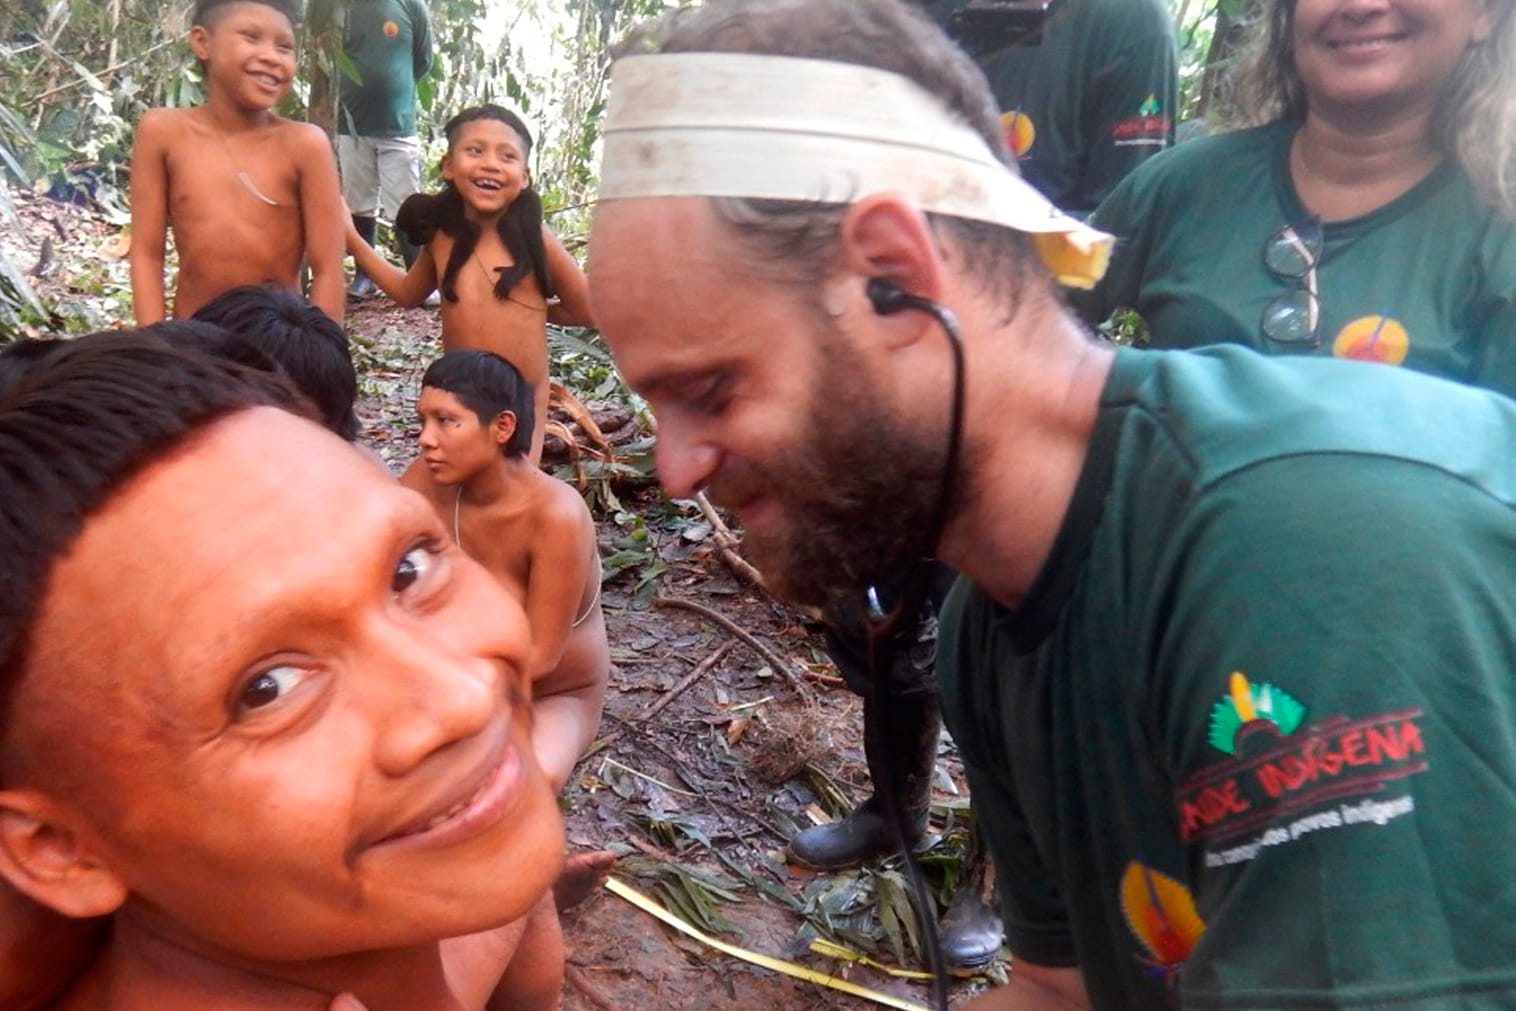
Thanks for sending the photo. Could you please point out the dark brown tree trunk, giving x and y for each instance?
(322, 38)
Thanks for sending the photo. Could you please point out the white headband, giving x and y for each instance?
(782, 128)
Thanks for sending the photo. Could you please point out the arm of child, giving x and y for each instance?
(149, 207)
(405, 287)
(573, 288)
(322, 213)
(568, 690)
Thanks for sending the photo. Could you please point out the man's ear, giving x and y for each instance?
(503, 427)
(43, 856)
(885, 236)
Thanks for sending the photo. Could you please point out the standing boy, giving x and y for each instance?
(389, 43)
(250, 195)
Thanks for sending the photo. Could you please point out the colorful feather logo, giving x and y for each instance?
(1161, 914)
(1246, 702)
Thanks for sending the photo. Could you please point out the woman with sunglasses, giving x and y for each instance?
(1371, 212)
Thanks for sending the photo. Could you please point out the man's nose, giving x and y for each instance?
(425, 695)
(686, 463)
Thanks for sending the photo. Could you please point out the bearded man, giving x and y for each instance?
(1230, 664)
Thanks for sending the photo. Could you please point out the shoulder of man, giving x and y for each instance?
(1229, 408)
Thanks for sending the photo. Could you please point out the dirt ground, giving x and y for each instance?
(698, 800)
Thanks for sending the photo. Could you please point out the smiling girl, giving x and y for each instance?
(503, 274)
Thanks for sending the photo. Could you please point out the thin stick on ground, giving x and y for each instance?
(775, 661)
(727, 542)
(700, 669)
(579, 981)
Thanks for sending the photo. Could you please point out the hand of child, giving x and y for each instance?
(346, 1002)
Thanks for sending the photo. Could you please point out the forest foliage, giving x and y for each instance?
(76, 75)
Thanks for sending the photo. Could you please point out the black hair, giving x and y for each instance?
(422, 215)
(207, 13)
(487, 385)
(210, 339)
(298, 339)
(83, 420)
(19, 359)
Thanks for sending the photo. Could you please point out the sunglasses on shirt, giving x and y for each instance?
(1291, 254)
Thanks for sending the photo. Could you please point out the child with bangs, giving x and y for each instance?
(531, 531)
(502, 273)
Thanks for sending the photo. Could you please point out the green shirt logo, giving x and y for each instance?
(1246, 703)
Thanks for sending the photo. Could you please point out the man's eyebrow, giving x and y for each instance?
(676, 377)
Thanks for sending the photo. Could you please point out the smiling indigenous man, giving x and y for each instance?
(280, 730)
(1231, 665)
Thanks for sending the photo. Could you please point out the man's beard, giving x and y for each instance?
(858, 499)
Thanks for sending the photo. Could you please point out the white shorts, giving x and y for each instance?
(378, 173)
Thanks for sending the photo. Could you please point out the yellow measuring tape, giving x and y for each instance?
(647, 905)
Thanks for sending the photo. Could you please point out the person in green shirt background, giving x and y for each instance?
(1094, 97)
(1371, 213)
(389, 43)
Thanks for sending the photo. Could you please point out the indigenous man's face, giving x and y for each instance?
(249, 51)
(487, 163)
(759, 400)
(455, 444)
(1380, 55)
(291, 716)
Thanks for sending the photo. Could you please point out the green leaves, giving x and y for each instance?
(637, 552)
(348, 68)
(19, 304)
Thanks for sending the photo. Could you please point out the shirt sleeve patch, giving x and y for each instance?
(1283, 778)
(1150, 126)
(1160, 912)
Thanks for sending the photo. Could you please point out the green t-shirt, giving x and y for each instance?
(1428, 281)
(1090, 102)
(390, 44)
(1250, 739)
